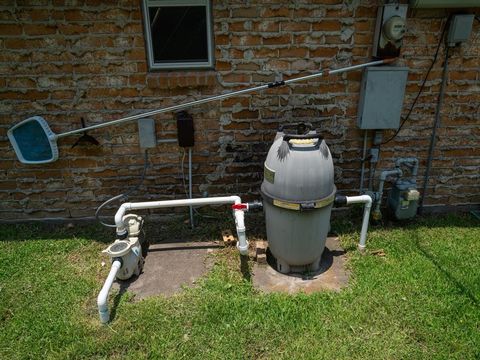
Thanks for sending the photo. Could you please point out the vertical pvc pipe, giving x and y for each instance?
(242, 244)
(367, 200)
(192, 225)
(102, 299)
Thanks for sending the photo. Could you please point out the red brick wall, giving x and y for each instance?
(64, 60)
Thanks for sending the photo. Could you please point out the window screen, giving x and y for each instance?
(178, 34)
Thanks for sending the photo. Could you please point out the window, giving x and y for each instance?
(178, 34)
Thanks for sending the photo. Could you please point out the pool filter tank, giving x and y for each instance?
(298, 191)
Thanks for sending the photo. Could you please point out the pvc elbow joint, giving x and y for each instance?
(387, 173)
(242, 244)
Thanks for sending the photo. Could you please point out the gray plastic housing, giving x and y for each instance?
(298, 191)
(146, 133)
(303, 174)
(381, 97)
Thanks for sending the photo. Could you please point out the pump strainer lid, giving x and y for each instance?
(118, 248)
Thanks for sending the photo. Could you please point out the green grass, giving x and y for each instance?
(419, 301)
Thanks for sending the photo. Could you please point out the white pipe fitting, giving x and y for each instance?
(242, 244)
(170, 203)
(102, 299)
(367, 200)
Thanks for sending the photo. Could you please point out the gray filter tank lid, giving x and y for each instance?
(298, 172)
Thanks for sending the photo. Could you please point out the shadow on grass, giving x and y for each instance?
(351, 221)
(118, 297)
(448, 275)
(245, 268)
(56, 231)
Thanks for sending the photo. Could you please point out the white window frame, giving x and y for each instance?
(148, 35)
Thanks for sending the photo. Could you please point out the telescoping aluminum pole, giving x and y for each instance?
(226, 96)
(35, 130)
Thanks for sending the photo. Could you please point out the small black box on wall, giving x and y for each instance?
(185, 130)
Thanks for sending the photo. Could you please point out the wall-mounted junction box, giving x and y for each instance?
(389, 30)
(185, 129)
(460, 29)
(381, 97)
(146, 133)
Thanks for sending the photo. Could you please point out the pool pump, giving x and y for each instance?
(127, 257)
(128, 250)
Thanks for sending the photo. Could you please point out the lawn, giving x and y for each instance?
(418, 298)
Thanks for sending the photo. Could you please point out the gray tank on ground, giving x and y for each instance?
(298, 191)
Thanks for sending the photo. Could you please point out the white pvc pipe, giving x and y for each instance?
(102, 299)
(367, 200)
(242, 244)
(192, 225)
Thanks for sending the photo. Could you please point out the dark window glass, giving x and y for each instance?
(179, 34)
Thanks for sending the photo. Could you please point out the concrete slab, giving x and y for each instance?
(331, 276)
(169, 267)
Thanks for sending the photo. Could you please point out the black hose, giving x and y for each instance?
(124, 195)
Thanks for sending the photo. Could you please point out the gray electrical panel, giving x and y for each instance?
(381, 97)
(460, 29)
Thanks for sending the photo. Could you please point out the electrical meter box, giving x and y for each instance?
(381, 97)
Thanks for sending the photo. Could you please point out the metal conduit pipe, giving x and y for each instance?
(367, 200)
(411, 162)
(102, 299)
(383, 176)
(238, 213)
(364, 155)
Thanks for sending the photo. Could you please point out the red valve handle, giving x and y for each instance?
(240, 206)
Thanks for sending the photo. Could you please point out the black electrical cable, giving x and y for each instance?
(124, 195)
(423, 83)
(436, 124)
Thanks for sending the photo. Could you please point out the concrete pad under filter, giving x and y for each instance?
(331, 276)
(169, 267)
